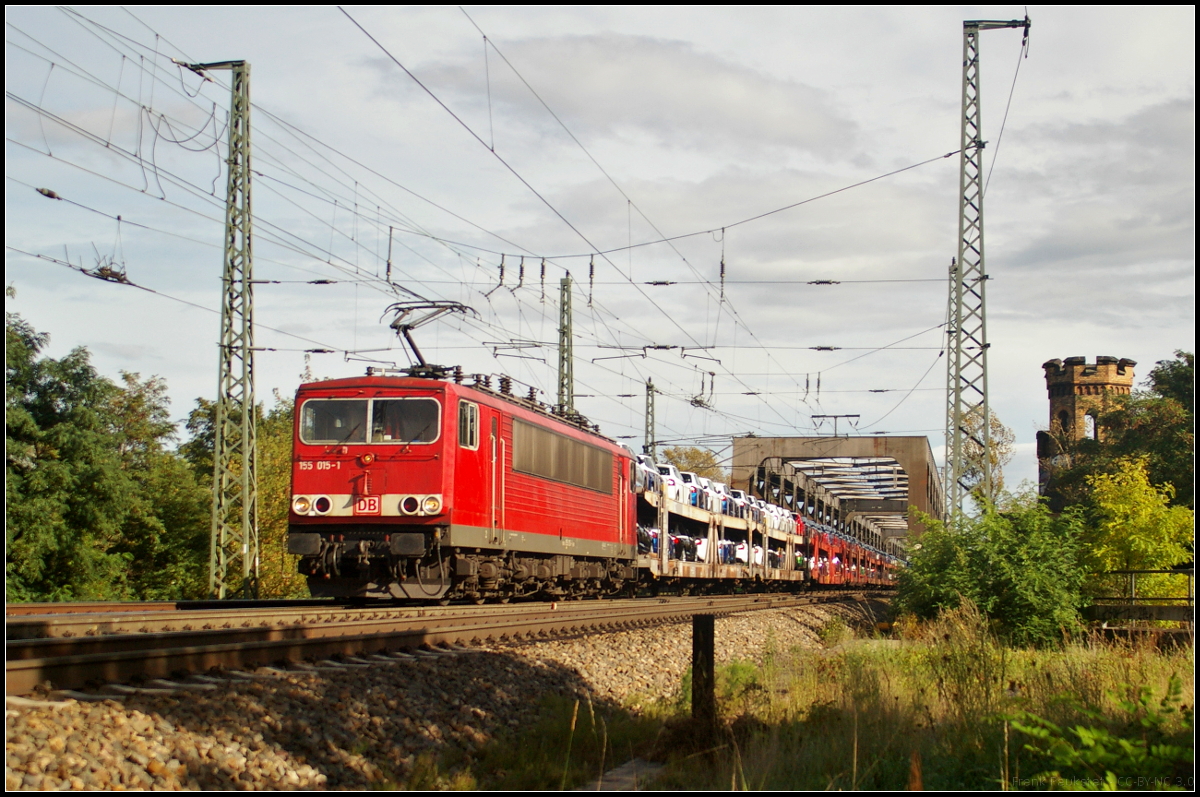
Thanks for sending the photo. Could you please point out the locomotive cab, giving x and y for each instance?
(370, 495)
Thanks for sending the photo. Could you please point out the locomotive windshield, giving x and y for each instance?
(344, 421)
(410, 420)
(334, 421)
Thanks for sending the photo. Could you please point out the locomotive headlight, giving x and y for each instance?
(410, 505)
(301, 504)
(322, 505)
(431, 505)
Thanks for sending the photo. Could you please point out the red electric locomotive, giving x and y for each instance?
(422, 488)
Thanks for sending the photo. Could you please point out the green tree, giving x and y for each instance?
(96, 506)
(999, 454)
(278, 574)
(1135, 528)
(1020, 565)
(699, 461)
(1176, 379)
(166, 532)
(66, 491)
(198, 450)
(168, 539)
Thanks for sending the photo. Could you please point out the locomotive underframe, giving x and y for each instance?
(433, 564)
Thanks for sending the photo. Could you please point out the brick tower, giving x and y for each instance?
(1079, 389)
(1079, 393)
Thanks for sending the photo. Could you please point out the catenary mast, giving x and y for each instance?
(234, 539)
(566, 351)
(967, 412)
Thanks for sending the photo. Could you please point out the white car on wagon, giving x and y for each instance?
(676, 489)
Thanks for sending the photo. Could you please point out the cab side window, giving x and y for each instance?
(468, 425)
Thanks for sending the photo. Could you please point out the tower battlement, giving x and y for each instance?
(1080, 391)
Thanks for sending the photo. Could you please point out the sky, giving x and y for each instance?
(568, 134)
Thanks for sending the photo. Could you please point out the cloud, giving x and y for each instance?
(131, 352)
(618, 85)
(1099, 222)
(887, 228)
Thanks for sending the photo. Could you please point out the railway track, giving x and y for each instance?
(72, 650)
(114, 607)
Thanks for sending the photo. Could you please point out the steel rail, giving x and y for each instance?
(228, 615)
(81, 661)
(100, 624)
(110, 607)
(26, 609)
(255, 626)
(277, 626)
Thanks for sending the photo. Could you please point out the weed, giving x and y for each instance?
(969, 664)
(575, 741)
(834, 632)
(1144, 753)
(427, 775)
(950, 707)
(935, 714)
(740, 685)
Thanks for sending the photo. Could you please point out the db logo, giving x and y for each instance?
(367, 505)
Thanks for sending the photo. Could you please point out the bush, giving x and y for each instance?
(1021, 567)
(941, 712)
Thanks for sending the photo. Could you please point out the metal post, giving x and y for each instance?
(651, 447)
(566, 357)
(967, 413)
(704, 696)
(664, 535)
(235, 458)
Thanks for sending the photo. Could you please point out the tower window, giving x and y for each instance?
(1064, 422)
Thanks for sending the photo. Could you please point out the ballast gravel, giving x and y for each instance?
(363, 727)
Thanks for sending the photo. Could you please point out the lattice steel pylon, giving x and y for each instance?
(566, 351)
(235, 457)
(967, 412)
(651, 446)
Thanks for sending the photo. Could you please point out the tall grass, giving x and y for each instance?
(942, 705)
(931, 711)
(574, 742)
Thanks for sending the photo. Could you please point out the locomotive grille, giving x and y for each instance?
(541, 452)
